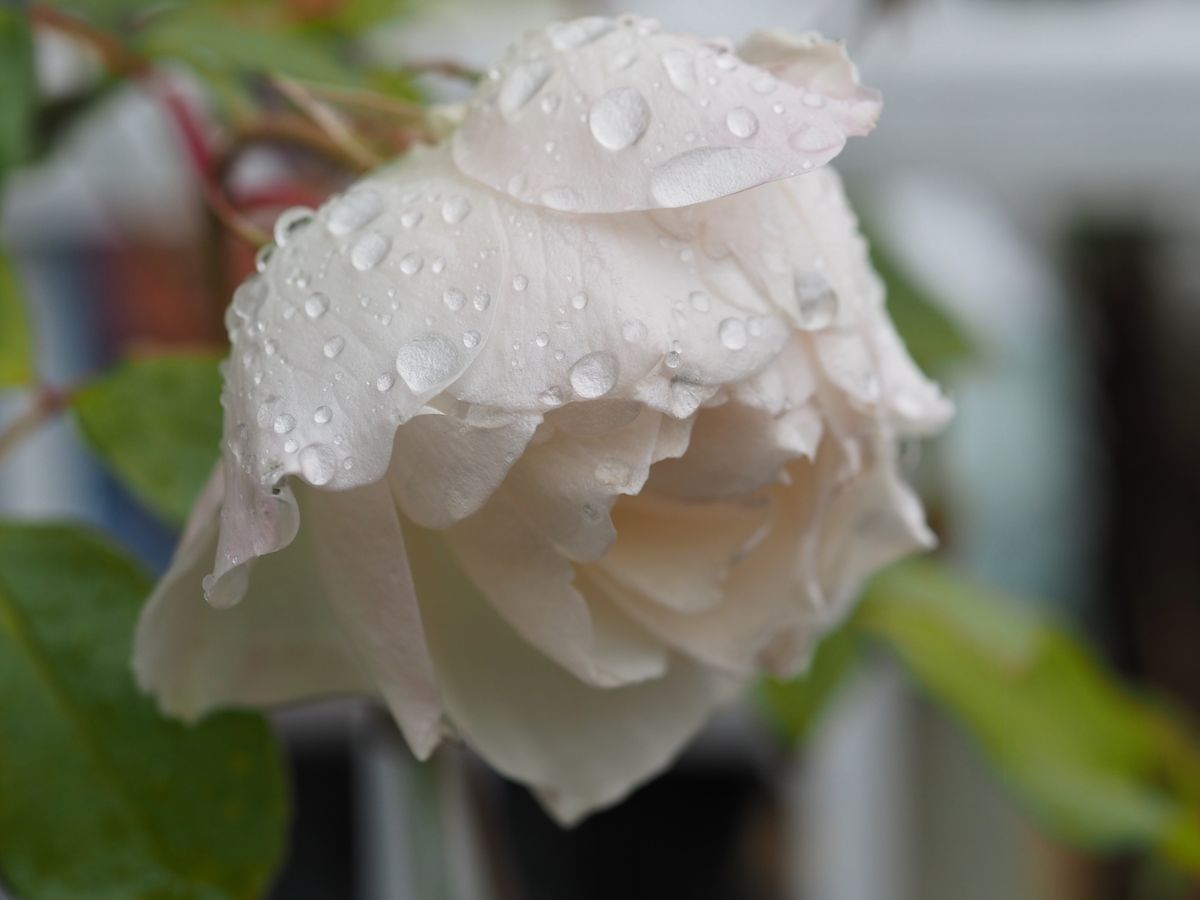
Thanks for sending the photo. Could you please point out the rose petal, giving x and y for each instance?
(333, 612)
(580, 747)
(633, 118)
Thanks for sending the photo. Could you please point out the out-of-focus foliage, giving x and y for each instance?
(100, 797)
(156, 421)
(1097, 765)
(16, 368)
(933, 338)
(18, 89)
(794, 705)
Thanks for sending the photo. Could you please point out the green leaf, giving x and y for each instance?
(219, 40)
(933, 338)
(18, 89)
(16, 365)
(794, 705)
(100, 797)
(156, 422)
(1095, 764)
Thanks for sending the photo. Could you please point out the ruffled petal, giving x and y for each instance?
(604, 115)
(578, 746)
(334, 612)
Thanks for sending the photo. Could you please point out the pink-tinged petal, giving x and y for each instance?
(332, 612)
(579, 747)
(632, 118)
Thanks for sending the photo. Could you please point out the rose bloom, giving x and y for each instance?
(553, 435)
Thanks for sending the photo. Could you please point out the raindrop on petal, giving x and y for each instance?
(816, 300)
(333, 346)
(289, 222)
(454, 299)
(522, 84)
(732, 333)
(455, 209)
(427, 362)
(353, 211)
(318, 463)
(619, 118)
(411, 263)
(283, 424)
(741, 122)
(316, 305)
(369, 250)
(322, 415)
(594, 375)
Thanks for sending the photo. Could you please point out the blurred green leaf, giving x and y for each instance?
(18, 89)
(219, 39)
(16, 366)
(156, 421)
(933, 338)
(793, 706)
(100, 797)
(1096, 765)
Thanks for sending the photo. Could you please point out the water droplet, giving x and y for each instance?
(317, 463)
(411, 263)
(522, 84)
(550, 103)
(455, 209)
(700, 301)
(322, 415)
(814, 139)
(541, 339)
(732, 333)
(470, 339)
(384, 382)
(741, 122)
(816, 300)
(612, 473)
(290, 446)
(725, 61)
(763, 84)
(580, 300)
(619, 118)
(411, 218)
(594, 375)
(625, 58)
(283, 424)
(263, 257)
(291, 221)
(369, 250)
(633, 330)
(681, 69)
(427, 362)
(316, 306)
(520, 282)
(576, 33)
(348, 463)
(706, 173)
(551, 397)
(353, 211)
(270, 346)
(482, 299)
(673, 359)
(454, 299)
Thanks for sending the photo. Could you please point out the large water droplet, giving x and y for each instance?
(353, 211)
(334, 346)
(411, 263)
(520, 282)
(681, 69)
(454, 299)
(522, 84)
(619, 118)
(411, 218)
(576, 33)
(316, 305)
(732, 333)
(594, 375)
(318, 462)
(289, 222)
(706, 173)
(816, 300)
(283, 424)
(322, 415)
(427, 362)
(741, 122)
(470, 339)
(369, 250)
(580, 300)
(455, 209)
(482, 299)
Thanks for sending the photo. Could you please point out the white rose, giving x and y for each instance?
(554, 435)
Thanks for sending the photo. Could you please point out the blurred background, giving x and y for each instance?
(1036, 174)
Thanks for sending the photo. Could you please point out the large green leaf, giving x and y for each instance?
(18, 89)
(100, 797)
(156, 421)
(1098, 766)
(16, 366)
